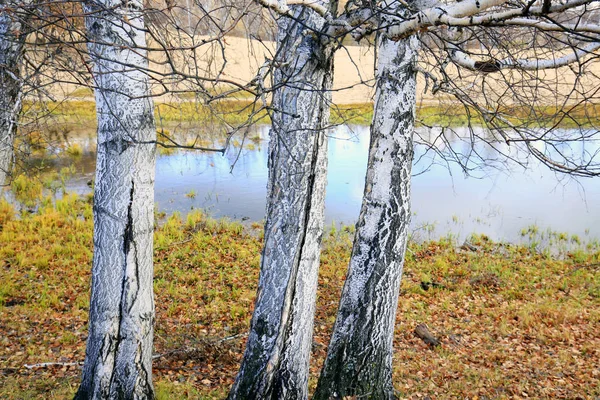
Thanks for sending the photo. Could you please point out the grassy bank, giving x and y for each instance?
(235, 112)
(512, 322)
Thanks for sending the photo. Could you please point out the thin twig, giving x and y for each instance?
(53, 364)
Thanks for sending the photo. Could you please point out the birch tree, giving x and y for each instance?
(275, 363)
(118, 361)
(359, 359)
(13, 31)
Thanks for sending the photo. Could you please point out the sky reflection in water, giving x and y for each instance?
(497, 202)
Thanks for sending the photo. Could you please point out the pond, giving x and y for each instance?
(499, 202)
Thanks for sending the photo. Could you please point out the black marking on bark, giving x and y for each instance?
(528, 7)
(546, 7)
(117, 145)
(129, 5)
(128, 233)
(488, 66)
(132, 243)
(146, 376)
(127, 242)
(117, 339)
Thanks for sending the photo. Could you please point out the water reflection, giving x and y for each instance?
(497, 200)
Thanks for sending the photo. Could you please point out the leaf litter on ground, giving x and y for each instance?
(514, 323)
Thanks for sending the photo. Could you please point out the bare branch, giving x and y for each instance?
(464, 14)
(53, 364)
(284, 9)
(492, 65)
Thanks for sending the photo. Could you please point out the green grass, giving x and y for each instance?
(74, 150)
(234, 112)
(511, 319)
(27, 191)
(82, 92)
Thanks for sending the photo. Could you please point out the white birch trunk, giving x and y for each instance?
(12, 39)
(275, 363)
(359, 358)
(118, 361)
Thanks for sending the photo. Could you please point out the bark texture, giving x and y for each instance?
(359, 358)
(12, 40)
(275, 363)
(118, 361)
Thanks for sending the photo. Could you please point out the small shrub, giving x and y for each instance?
(27, 191)
(75, 150)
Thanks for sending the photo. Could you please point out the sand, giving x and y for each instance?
(354, 72)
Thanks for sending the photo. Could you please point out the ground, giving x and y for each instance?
(513, 321)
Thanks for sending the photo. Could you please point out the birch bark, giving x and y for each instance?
(275, 363)
(12, 41)
(118, 362)
(359, 358)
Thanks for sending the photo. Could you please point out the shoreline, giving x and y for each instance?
(238, 112)
(542, 240)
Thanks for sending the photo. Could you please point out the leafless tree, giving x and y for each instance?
(502, 64)
(276, 360)
(13, 31)
(465, 44)
(524, 70)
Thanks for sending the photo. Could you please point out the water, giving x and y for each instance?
(496, 201)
